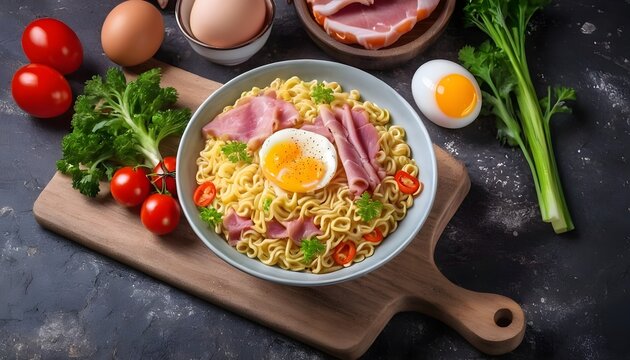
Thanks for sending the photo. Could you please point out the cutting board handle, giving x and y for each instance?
(492, 323)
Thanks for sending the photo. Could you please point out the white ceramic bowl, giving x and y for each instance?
(371, 88)
(224, 56)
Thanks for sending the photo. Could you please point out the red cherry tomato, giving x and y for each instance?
(51, 42)
(204, 194)
(129, 186)
(41, 91)
(160, 213)
(344, 253)
(164, 178)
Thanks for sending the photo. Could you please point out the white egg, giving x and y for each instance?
(446, 93)
(298, 160)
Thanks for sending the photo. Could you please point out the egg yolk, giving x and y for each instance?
(286, 166)
(456, 96)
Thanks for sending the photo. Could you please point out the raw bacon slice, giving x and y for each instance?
(329, 7)
(253, 120)
(378, 25)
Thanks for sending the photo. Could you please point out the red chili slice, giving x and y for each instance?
(204, 194)
(375, 236)
(344, 252)
(408, 184)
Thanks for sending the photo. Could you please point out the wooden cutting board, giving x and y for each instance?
(494, 324)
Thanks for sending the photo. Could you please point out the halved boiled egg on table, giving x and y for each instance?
(446, 93)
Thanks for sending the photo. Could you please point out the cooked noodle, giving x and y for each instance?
(244, 188)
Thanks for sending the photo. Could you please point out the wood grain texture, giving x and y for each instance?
(410, 45)
(410, 282)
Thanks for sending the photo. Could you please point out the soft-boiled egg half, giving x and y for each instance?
(446, 93)
(298, 160)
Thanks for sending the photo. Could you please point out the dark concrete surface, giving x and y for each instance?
(60, 300)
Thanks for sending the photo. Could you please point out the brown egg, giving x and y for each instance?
(226, 23)
(132, 32)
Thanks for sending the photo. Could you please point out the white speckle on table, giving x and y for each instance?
(6, 211)
(587, 345)
(605, 83)
(170, 31)
(9, 108)
(450, 147)
(588, 28)
(62, 332)
(158, 300)
(9, 249)
(554, 312)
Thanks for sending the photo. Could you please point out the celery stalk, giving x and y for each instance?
(523, 118)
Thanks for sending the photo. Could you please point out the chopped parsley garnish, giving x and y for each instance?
(267, 204)
(210, 215)
(367, 208)
(236, 151)
(311, 247)
(322, 94)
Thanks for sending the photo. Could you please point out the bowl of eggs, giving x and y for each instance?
(245, 187)
(225, 32)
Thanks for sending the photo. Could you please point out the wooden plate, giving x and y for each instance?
(407, 47)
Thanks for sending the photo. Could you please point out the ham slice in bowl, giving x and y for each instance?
(329, 7)
(296, 230)
(356, 140)
(235, 226)
(253, 120)
(376, 26)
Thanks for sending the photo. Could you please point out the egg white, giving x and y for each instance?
(423, 88)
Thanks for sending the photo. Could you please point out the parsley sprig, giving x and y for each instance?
(367, 208)
(322, 94)
(311, 247)
(236, 151)
(267, 204)
(210, 215)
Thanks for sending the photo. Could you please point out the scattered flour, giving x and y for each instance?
(6, 211)
(62, 332)
(157, 298)
(555, 312)
(587, 28)
(613, 89)
(450, 147)
(9, 108)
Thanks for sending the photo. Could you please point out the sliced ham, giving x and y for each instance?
(360, 146)
(275, 230)
(329, 7)
(235, 225)
(296, 230)
(368, 136)
(318, 128)
(375, 26)
(358, 155)
(253, 120)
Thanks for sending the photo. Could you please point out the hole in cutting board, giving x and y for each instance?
(503, 317)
